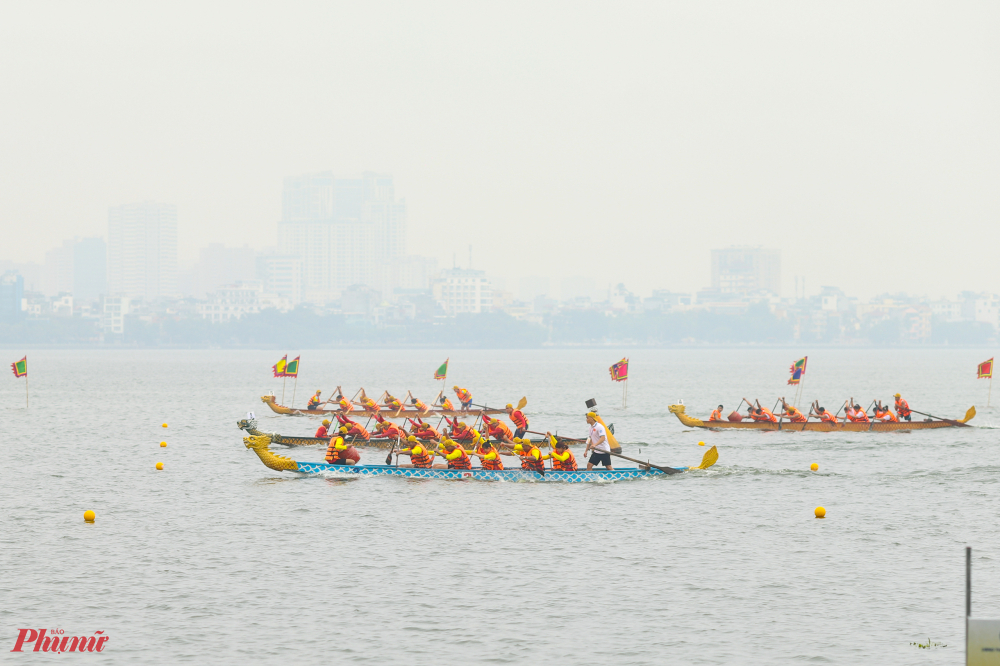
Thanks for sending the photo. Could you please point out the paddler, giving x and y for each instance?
(457, 457)
(420, 456)
(562, 458)
(531, 457)
(389, 430)
(902, 408)
(346, 405)
(791, 413)
(496, 429)
(459, 431)
(369, 405)
(392, 403)
(759, 413)
(355, 431)
(824, 416)
(464, 397)
(883, 414)
(340, 453)
(445, 404)
(597, 440)
(321, 432)
(853, 412)
(423, 430)
(421, 407)
(716, 414)
(518, 418)
(489, 458)
(314, 402)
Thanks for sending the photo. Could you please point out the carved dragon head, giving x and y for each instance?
(677, 409)
(267, 398)
(259, 444)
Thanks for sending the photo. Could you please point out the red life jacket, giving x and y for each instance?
(499, 430)
(321, 432)
(392, 431)
(568, 466)
(519, 419)
(462, 434)
(421, 459)
(902, 408)
(460, 463)
(463, 395)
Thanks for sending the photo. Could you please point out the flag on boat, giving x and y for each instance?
(292, 367)
(798, 369)
(985, 370)
(279, 367)
(619, 371)
(442, 371)
(20, 368)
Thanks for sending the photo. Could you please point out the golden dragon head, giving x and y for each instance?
(259, 444)
(677, 409)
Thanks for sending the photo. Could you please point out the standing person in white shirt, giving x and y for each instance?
(598, 441)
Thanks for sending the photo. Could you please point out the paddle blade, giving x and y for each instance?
(388, 459)
(522, 402)
(969, 415)
(710, 458)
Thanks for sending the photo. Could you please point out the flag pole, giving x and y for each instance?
(284, 381)
(296, 384)
(988, 395)
(26, 405)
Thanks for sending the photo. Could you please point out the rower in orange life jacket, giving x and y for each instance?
(457, 457)
(716, 414)
(464, 397)
(825, 416)
(518, 418)
(370, 405)
(423, 430)
(418, 405)
(314, 401)
(883, 414)
(902, 408)
(444, 403)
(392, 403)
(489, 458)
(321, 431)
(420, 456)
(389, 430)
(496, 429)
(339, 453)
(763, 414)
(562, 458)
(356, 431)
(531, 457)
(854, 413)
(345, 405)
(792, 414)
(459, 431)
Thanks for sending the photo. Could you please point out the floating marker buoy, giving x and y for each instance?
(701, 443)
(820, 512)
(164, 425)
(813, 467)
(163, 444)
(89, 516)
(159, 465)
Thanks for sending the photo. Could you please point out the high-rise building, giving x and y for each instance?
(11, 297)
(347, 231)
(58, 276)
(462, 290)
(746, 270)
(142, 250)
(90, 269)
(220, 265)
(281, 275)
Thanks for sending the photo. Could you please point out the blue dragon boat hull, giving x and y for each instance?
(581, 476)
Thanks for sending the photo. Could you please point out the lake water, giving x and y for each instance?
(217, 559)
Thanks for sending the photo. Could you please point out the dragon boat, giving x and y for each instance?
(259, 445)
(270, 401)
(250, 427)
(844, 426)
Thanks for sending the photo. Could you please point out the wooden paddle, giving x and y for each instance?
(665, 470)
(951, 421)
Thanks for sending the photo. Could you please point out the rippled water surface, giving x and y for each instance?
(217, 559)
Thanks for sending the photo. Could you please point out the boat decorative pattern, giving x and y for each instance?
(480, 474)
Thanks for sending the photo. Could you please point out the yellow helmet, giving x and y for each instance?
(318, 391)
(326, 421)
(343, 429)
(897, 396)
(510, 406)
(455, 388)
(411, 438)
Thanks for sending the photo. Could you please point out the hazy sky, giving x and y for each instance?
(618, 140)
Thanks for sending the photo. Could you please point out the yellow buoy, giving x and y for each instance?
(701, 443)
(89, 516)
(813, 467)
(820, 512)
(159, 465)
(164, 425)
(163, 444)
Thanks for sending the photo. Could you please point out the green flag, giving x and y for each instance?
(442, 372)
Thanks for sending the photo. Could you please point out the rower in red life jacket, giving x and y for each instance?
(419, 454)
(562, 458)
(321, 432)
(716, 414)
(457, 457)
(389, 430)
(314, 402)
(340, 453)
(902, 408)
(496, 429)
(459, 431)
(489, 458)
(518, 418)
(791, 413)
(464, 397)
(355, 431)
(423, 430)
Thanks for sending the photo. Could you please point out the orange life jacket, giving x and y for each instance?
(568, 466)
(392, 403)
(902, 408)
(419, 406)
(345, 405)
(531, 462)
(519, 419)
(765, 415)
(828, 418)
(460, 463)
(314, 400)
(859, 417)
(886, 413)
(461, 434)
(499, 430)
(421, 459)
(370, 405)
(336, 456)
(357, 431)
(495, 463)
(392, 431)
(425, 431)
(446, 404)
(463, 395)
(716, 415)
(797, 416)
